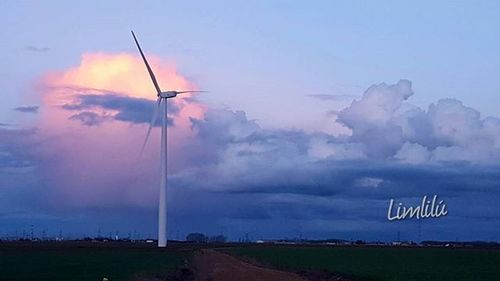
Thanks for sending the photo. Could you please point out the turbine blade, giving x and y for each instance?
(151, 74)
(151, 125)
(182, 92)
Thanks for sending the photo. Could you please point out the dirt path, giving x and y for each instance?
(210, 265)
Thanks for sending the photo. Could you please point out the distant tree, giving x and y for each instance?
(196, 238)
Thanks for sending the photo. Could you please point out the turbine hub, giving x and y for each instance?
(168, 94)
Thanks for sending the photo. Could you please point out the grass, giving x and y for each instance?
(30, 262)
(384, 264)
(79, 264)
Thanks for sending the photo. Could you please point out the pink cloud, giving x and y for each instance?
(98, 165)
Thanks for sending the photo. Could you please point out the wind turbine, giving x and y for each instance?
(161, 100)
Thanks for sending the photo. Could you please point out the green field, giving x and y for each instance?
(67, 261)
(86, 263)
(381, 263)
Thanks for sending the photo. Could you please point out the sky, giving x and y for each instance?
(317, 115)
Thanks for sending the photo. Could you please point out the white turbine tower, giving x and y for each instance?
(161, 100)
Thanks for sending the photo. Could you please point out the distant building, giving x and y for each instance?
(217, 239)
(202, 238)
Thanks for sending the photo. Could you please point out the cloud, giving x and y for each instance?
(240, 155)
(37, 49)
(115, 107)
(226, 169)
(368, 182)
(396, 150)
(389, 127)
(95, 118)
(370, 118)
(27, 109)
(413, 153)
(14, 148)
(88, 118)
(20, 188)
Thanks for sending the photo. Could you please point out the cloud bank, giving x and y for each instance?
(389, 127)
(225, 170)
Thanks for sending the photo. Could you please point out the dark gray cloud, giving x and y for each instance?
(121, 108)
(88, 118)
(27, 109)
(32, 48)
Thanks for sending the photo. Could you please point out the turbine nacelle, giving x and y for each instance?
(168, 94)
(173, 94)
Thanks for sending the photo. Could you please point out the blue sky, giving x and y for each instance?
(289, 67)
(267, 51)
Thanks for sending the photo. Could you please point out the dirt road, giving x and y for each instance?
(210, 265)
